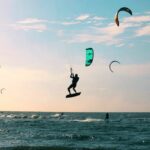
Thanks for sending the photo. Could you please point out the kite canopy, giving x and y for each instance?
(114, 61)
(121, 9)
(89, 56)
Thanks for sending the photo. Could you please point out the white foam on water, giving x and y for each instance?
(11, 116)
(35, 116)
(55, 115)
(89, 120)
(2, 116)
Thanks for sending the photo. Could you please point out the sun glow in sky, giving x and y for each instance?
(41, 39)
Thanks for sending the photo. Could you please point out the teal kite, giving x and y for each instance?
(89, 56)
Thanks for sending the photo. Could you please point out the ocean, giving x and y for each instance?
(74, 131)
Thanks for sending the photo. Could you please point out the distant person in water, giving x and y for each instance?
(61, 115)
(107, 116)
(75, 79)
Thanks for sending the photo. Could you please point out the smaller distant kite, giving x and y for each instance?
(121, 9)
(114, 61)
(1, 90)
(89, 56)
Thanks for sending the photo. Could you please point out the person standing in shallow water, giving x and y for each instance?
(107, 116)
(73, 85)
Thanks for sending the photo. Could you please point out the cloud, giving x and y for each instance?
(36, 27)
(82, 38)
(89, 19)
(108, 35)
(98, 33)
(82, 17)
(70, 23)
(137, 19)
(143, 31)
(31, 21)
(148, 12)
(112, 29)
(27, 24)
(98, 18)
(120, 45)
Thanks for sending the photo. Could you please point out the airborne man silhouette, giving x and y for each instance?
(75, 79)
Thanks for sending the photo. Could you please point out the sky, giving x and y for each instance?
(41, 39)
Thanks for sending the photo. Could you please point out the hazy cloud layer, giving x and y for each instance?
(143, 31)
(96, 29)
(110, 34)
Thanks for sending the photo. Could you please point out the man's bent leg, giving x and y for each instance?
(69, 88)
(74, 90)
(74, 86)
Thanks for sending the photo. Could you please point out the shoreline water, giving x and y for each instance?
(76, 131)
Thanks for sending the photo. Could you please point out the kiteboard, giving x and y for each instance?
(73, 95)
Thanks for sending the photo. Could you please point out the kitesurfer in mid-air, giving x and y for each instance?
(75, 79)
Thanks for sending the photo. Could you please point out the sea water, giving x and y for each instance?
(74, 131)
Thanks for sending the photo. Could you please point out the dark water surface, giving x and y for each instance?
(74, 131)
